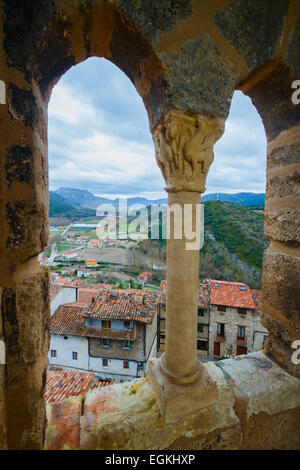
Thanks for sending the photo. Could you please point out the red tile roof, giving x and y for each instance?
(118, 304)
(54, 290)
(61, 385)
(230, 294)
(87, 296)
(99, 383)
(203, 294)
(68, 320)
(145, 275)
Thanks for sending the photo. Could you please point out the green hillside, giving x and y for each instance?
(234, 242)
(233, 247)
(61, 207)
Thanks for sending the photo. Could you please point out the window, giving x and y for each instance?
(202, 345)
(241, 332)
(126, 324)
(74, 355)
(106, 324)
(126, 344)
(221, 330)
(105, 362)
(106, 342)
(65, 337)
(221, 308)
(265, 337)
(125, 365)
(53, 353)
(201, 312)
(200, 328)
(242, 311)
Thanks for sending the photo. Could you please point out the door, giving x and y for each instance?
(216, 348)
(241, 350)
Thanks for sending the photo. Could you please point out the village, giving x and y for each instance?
(106, 332)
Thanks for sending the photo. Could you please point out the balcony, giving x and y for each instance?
(220, 336)
(241, 340)
(110, 333)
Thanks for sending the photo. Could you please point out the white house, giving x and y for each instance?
(114, 337)
(60, 295)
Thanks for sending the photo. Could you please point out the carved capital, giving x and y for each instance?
(184, 149)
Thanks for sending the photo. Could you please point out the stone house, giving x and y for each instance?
(94, 243)
(202, 319)
(235, 326)
(143, 278)
(114, 337)
(228, 321)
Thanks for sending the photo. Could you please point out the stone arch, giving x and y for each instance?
(41, 40)
(272, 96)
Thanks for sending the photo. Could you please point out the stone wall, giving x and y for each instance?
(248, 413)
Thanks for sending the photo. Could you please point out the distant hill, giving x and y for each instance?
(59, 207)
(84, 198)
(243, 199)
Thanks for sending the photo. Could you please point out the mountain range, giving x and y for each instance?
(73, 199)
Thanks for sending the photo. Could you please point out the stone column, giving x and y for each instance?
(184, 153)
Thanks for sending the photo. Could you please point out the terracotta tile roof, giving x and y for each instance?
(256, 295)
(87, 296)
(68, 320)
(230, 294)
(99, 383)
(118, 304)
(80, 283)
(61, 385)
(203, 292)
(54, 290)
(145, 275)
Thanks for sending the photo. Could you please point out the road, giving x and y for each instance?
(53, 253)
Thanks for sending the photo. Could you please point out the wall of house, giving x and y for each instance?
(231, 320)
(65, 296)
(116, 350)
(115, 370)
(150, 337)
(65, 347)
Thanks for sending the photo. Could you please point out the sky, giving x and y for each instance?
(99, 139)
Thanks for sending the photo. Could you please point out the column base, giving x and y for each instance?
(176, 400)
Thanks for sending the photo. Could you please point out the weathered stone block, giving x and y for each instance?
(27, 231)
(63, 428)
(25, 309)
(279, 343)
(284, 155)
(283, 224)
(253, 28)
(281, 287)
(198, 78)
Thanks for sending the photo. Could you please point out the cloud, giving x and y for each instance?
(99, 139)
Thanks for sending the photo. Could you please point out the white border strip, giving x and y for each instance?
(2, 92)
(2, 352)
